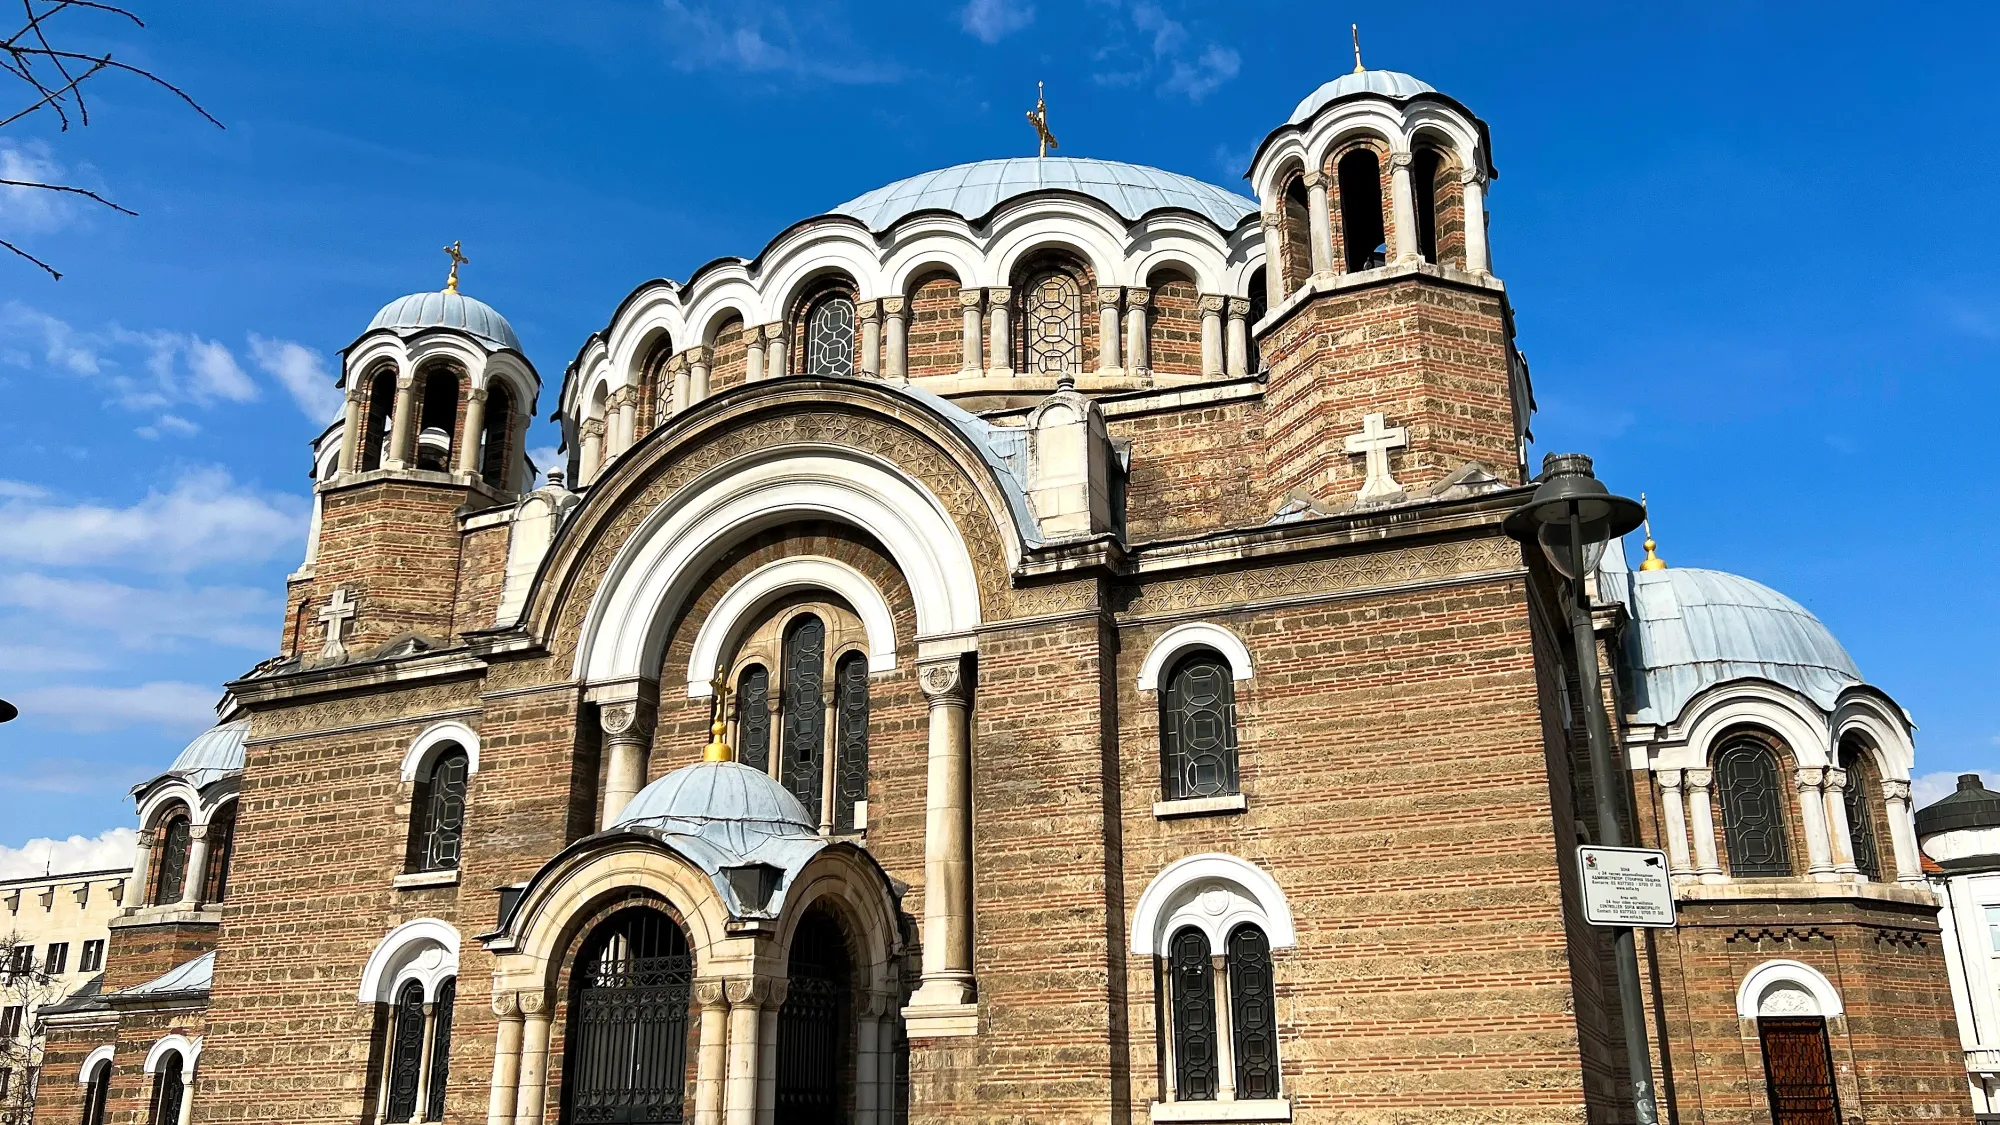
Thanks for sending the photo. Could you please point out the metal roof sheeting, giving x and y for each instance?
(419, 311)
(974, 190)
(1387, 83)
(187, 977)
(215, 752)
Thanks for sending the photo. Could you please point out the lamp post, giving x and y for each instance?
(1572, 515)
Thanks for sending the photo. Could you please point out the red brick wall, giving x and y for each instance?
(1194, 470)
(1174, 342)
(936, 337)
(731, 354)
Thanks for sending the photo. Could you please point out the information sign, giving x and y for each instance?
(1625, 886)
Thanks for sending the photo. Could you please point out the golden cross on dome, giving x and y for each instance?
(1356, 29)
(1039, 118)
(457, 259)
(1653, 561)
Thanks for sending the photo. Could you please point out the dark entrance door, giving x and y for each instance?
(1798, 1071)
(625, 1060)
(814, 1047)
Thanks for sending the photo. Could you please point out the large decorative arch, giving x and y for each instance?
(840, 877)
(190, 1050)
(424, 950)
(783, 576)
(1883, 728)
(1193, 634)
(1793, 986)
(1212, 892)
(1064, 227)
(1715, 711)
(426, 746)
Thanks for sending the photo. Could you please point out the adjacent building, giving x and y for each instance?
(1961, 834)
(53, 930)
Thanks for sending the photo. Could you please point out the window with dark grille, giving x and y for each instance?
(439, 810)
(830, 338)
(813, 1043)
(850, 780)
(93, 956)
(221, 849)
(10, 1021)
(96, 1092)
(169, 1087)
(171, 857)
(1253, 1014)
(1198, 729)
(803, 743)
(753, 718)
(1191, 993)
(1051, 324)
(447, 995)
(1753, 812)
(1859, 798)
(406, 1051)
(57, 961)
(1798, 1071)
(625, 1054)
(1260, 303)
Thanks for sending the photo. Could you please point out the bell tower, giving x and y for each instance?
(1388, 340)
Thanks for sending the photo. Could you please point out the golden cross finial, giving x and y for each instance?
(717, 750)
(1356, 29)
(1653, 561)
(457, 259)
(1039, 118)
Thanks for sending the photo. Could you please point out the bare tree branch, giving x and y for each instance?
(6, 245)
(37, 184)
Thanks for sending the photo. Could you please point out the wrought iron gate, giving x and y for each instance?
(813, 1044)
(1798, 1072)
(625, 1061)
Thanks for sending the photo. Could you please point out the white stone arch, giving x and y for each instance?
(424, 950)
(437, 345)
(932, 253)
(1214, 893)
(1061, 225)
(757, 589)
(190, 1052)
(513, 371)
(1276, 162)
(90, 1062)
(1783, 987)
(624, 631)
(843, 877)
(1882, 729)
(1194, 634)
(803, 263)
(651, 310)
(1380, 122)
(425, 748)
(1205, 265)
(713, 299)
(373, 352)
(158, 801)
(1420, 117)
(1715, 711)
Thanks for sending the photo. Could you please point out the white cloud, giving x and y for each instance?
(770, 39)
(545, 458)
(241, 616)
(1205, 75)
(106, 851)
(990, 21)
(168, 424)
(1166, 47)
(27, 209)
(205, 519)
(61, 346)
(142, 370)
(21, 490)
(302, 372)
(45, 658)
(1931, 788)
(168, 704)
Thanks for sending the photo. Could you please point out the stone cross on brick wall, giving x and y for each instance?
(338, 612)
(1375, 441)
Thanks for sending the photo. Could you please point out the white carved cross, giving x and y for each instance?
(338, 612)
(1375, 441)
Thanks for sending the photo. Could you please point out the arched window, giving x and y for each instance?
(1753, 811)
(406, 1052)
(1191, 996)
(176, 835)
(1798, 1070)
(1295, 215)
(1253, 1014)
(802, 746)
(753, 718)
(437, 812)
(1424, 165)
(813, 1040)
(1859, 797)
(1198, 728)
(498, 431)
(447, 995)
(96, 1092)
(438, 414)
(830, 337)
(625, 1053)
(169, 1088)
(381, 411)
(1361, 226)
(221, 850)
(850, 776)
(1260, 304)
(1051, 317)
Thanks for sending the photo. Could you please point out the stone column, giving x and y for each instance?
(1473, 183)
(1274, 267)
(1403, 208)
(679, 378)
(1806, 781)
(767, 1051)
(475, 425)
(1702, 816)
(1239, 337)
(424, 1060)
(1319, 216)
(186, 1114)
(1902, 831)
(869, 362)
(968, 312)
(1000, 342)
(775, 365)
(197, 869)
(947, 936)
(896, 343)
(403, 428)
(1137, 326)
(1107, 331)
(1225, 1047)
(753, 354)
(628, 419)
(534, 1084)
(506, 1060)
(517, 453)
(1211, 335)
(711, 1060)
(699, 361)
(746, 997)
(142, 863)
(829, 739)
(872, 1046)
(590, 457)
(1839, 832)
(352, 423)
(628, 728)
(1678, 864)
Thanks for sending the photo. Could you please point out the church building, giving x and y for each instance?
(1035, 643)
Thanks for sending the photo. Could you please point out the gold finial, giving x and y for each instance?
(1039, 118)
(1356, 29)
(457, 259)
(1653, 561)
(717, 750)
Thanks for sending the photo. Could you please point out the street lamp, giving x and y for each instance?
(1572, 515)
(8, 711)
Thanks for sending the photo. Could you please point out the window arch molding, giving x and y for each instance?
(1775, 975)
(1193, 634)
(435, 739)
(424, 950)
(1213, 893)
(190, 1052)
(1710, 718)
(775, 579)
(88, 1070)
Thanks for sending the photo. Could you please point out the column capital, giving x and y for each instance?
(147, 837)
(1271, 221)
(895, 306)
(1239, 307)
(1107, 296)
(476, 394)
(677, 364)
(943, 680)
(999, 294)
(1699, 778)
(507, 1005)
(1473, 176)
(624, 718)
(1213, 302)
(773, 331)
(1808, 778)
(755, 992)
(711, 992)
(865, 311)
(1836, 779)
(592, 426)
(197, 831)
(1312, 178)
(1671, 779)
(1138, 297)
(700, 353)
(1402, 159)
(1895, 789)
(405, 379)
(969, 298)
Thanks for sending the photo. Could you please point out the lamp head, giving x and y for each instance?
(1571, 501)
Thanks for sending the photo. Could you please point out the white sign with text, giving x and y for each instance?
(1625, 886)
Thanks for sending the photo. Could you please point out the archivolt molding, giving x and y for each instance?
(1882, 727)
(848, 881)
(1193, 634)
(1791, 988)
(101, 1055)
(426, 745)
(1688, 742)
(190, 1052)
(424, 950)
(1214, 893)
(783, 576)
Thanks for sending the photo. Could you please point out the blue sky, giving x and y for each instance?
(1749, 247)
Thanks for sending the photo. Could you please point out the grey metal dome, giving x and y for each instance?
(447, 309)
(723, 815)
(974, 190)
(1962, 831)
(1387, 83)
(216, 750)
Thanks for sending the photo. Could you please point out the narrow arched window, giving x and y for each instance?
(830, 338)
(753, 718)
(850, 778)
(1295, 248)
(447, 995)
(1191, 974)
(221, 850)
(96, 1092)
(1198, 729)
(1424, 166)
(1260, 303)
(176, 835)
(802, 743)
(815, 1041)
(1798, 1070)
(381, 417)
(1753, 811)
(1859, 798)
(494, 454)
(437, 414)
(438, 813)
(1361, 225)
(1051, 324)
(1253, 1013)
(169, 1088)
(406, 1051)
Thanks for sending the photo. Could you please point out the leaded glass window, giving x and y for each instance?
(96, 1093)
(1860, 826)
(753, 718)
(1052, 325)
(1192, 1000)
(1753, 812)
(830, 338)
(440, 805)
(447, 995)
(1253, 1014)
(850, 779)
(1198, 729)
(169, 1087)
(172, 857)
(221, 849)
(802, 744)
(406, 1051)
(625, 1053)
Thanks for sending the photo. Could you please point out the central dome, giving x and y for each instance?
(974, 190)
(446, 309)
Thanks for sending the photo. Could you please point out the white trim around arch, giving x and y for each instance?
(783, 576)
(190, 1053)
(90, 1061)
(434, 736)
(423, 949)
(1212, 892)
(1776, 974)
(1193, 634)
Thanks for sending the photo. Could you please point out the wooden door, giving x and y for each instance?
(1798, 1071)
